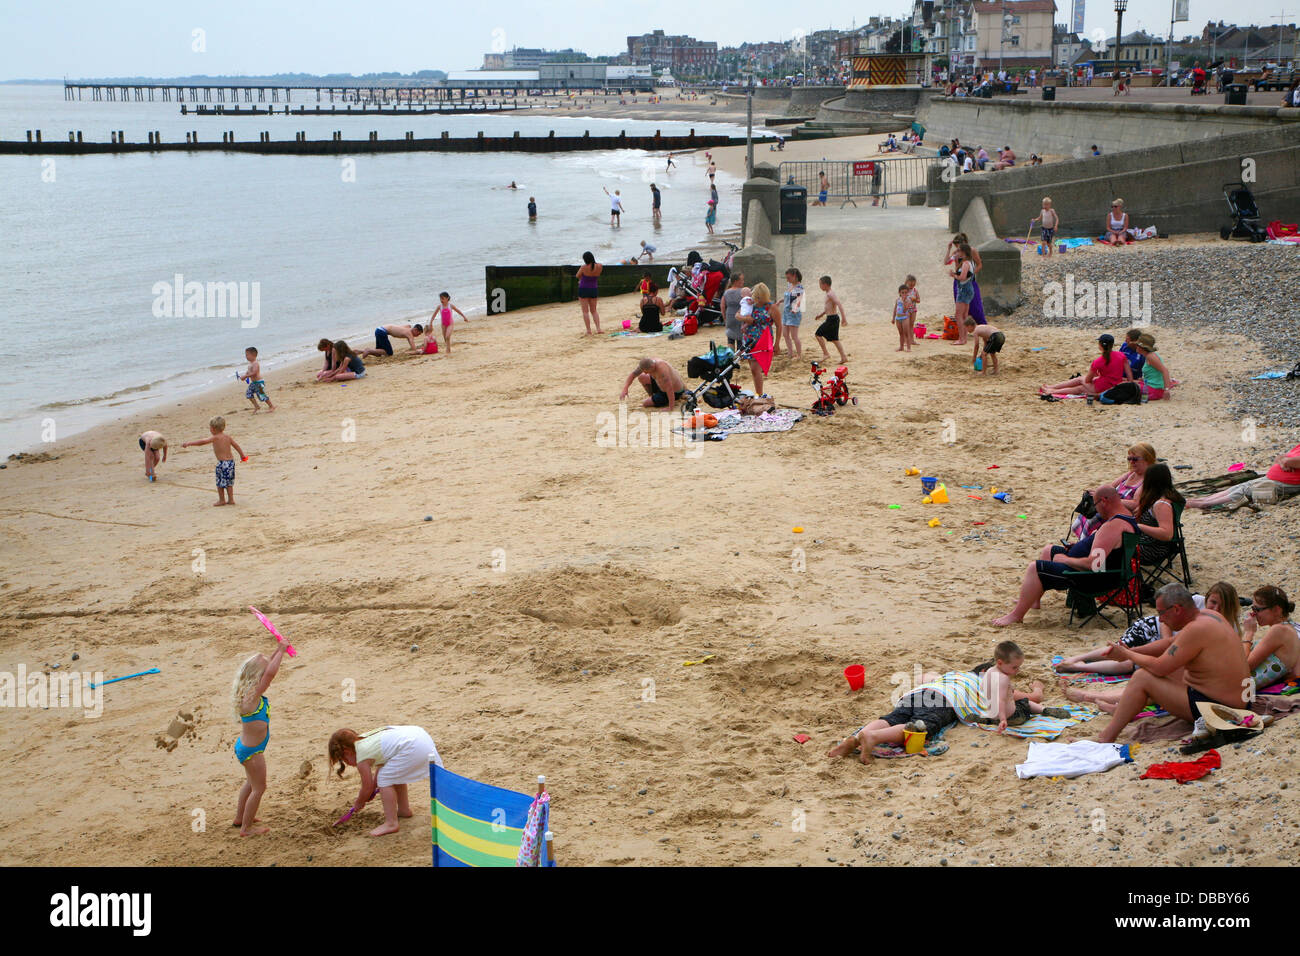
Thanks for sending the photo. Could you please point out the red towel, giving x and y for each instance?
(762, 353)
(1184, 771)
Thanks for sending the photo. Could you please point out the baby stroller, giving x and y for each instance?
(1245, 215)
(716, 368)
(1199, 87)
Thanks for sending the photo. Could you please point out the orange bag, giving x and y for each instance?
(950, 328)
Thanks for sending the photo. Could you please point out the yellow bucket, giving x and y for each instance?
(913, 741)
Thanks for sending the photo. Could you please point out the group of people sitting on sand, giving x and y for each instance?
(1136, 362)
(1193, 650)
(343, 364)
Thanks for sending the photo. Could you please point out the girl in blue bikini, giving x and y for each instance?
(254, 713)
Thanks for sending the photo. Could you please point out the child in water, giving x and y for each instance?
(253, 711)
(444, 311)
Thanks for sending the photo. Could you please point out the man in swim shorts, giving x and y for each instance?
(664, 387)
(1205, 646)
(383, 346)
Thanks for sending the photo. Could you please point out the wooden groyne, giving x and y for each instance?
(36, 145)
(520, 287)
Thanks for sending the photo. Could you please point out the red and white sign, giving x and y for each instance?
(864, 169)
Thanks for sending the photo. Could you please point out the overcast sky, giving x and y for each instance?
(50, 39)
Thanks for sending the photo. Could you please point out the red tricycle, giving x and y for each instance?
(830, 393)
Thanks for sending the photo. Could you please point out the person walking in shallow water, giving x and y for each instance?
(615, 207)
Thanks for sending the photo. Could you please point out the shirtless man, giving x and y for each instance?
(1206, 649)
(662, 383)
(384, 347)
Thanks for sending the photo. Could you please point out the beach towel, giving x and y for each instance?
(1184, 771)
(533, 842)
(1284, 689)
(777, 420)
(762, 352)
(1267, 376)
(1086, 677)
(1074, 243)
(1040, 726)
(634, 334)
(1071, 760)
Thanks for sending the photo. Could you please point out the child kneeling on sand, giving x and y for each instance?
(388, 759)
(1006, 707)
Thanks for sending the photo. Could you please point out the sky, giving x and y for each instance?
(51, 39)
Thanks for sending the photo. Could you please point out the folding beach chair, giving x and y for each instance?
(476, 824)
(1160, 572)
(1091, 592)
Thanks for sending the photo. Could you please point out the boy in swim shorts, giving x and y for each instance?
(1050, 220)
(833, 310)
(383, 345)
(990, 338)
(221, 446)
(253, 376)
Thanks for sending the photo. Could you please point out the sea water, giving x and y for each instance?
(97, 251)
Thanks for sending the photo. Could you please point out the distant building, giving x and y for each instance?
(524, 58)
(1066, 46)
(1016, 34)
(684, 56)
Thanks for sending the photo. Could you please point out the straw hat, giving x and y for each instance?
(1230, 718)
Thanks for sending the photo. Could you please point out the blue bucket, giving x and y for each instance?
(928, 484)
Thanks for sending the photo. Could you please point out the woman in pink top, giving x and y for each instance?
(1107, 370)
(1280, 482)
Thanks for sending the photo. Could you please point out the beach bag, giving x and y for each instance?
(1125, 393)
(690, 325)
(1279, 230)
(950, 328)
(721, 395)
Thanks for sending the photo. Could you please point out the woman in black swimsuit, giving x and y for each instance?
(652, 308)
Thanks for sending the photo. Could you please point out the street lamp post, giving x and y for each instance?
(1120, 7)
(1002, 38)
(749, 128)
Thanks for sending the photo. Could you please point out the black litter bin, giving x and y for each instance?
(1235, 95)
(1049, 94)
(794, 210)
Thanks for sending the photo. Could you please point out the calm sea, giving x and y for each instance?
(91, 246)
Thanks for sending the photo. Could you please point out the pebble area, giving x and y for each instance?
(1241, 289)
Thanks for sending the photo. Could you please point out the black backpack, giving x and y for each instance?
(1125, 393)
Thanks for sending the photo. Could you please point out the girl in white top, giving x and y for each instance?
(388, 759)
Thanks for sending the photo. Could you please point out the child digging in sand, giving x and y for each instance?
(151, 443)
(221, 445)
(253, 711)
(253, 376)
(991, 339)
(388, 759)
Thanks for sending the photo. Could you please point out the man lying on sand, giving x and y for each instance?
(1207, 650)
(664, 387)
(382, 344)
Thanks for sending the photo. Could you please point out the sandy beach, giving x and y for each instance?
(540, 621)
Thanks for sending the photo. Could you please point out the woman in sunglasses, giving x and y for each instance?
(1140, 457)
(1275, 657)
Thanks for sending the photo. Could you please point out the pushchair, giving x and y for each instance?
(707, 284)
(1245, 215)
(1199, 87)
(716, 368)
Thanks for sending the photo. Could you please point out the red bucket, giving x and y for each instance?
(856, 675)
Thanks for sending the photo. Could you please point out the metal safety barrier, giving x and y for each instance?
(847, 181)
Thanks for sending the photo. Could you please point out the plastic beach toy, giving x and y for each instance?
(627, 323)
(913, 741)
(934, 522)
(979, 364)
(797, 530)
(288, 648)
(911, 471)
(114, 680)
(940, 495)
(927, 484)
(856, 675)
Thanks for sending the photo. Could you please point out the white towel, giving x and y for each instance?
(1072, 759)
